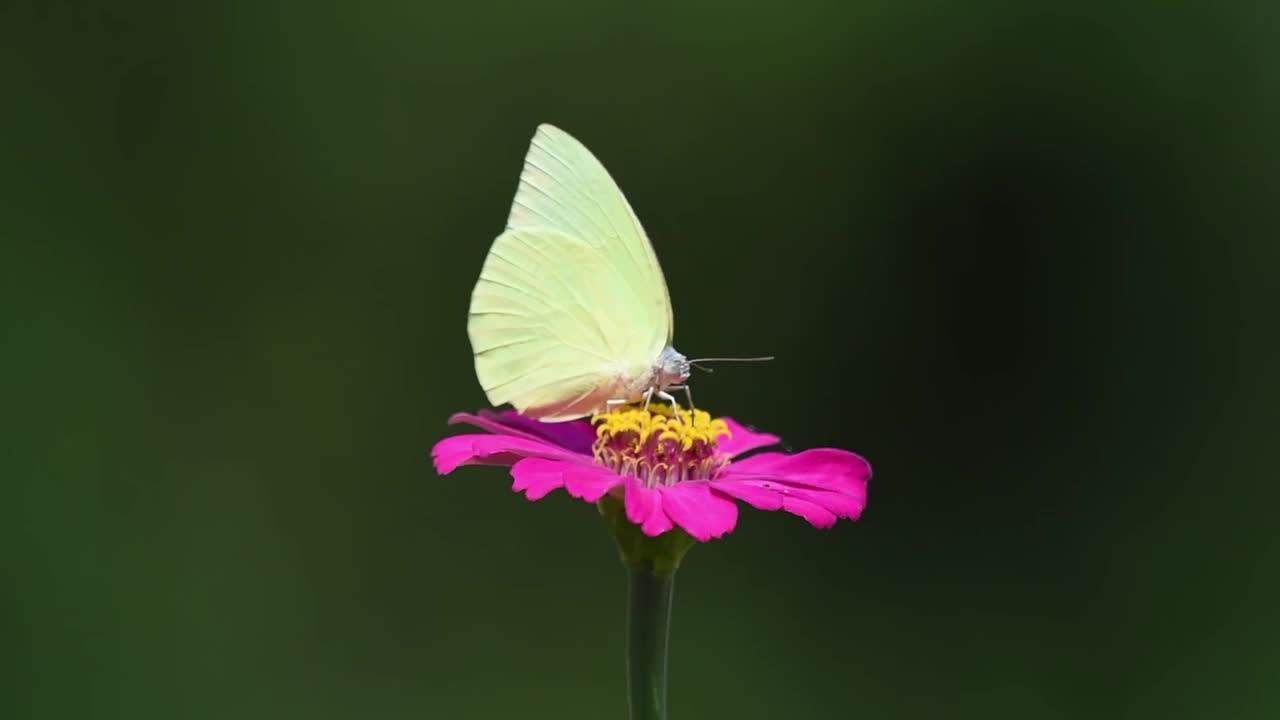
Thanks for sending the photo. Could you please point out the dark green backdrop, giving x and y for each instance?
(1020, 255)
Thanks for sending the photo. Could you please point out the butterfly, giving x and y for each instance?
(571, 315)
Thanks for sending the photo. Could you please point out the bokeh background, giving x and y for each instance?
(1021, 255)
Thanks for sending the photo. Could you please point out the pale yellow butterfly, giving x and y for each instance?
(571, 314)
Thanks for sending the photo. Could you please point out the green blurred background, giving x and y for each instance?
(1022, 256)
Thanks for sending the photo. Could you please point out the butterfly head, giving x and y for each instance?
(671, 368)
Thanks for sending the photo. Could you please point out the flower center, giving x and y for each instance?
(657, 447)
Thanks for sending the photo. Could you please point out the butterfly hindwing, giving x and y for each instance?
(544, 326)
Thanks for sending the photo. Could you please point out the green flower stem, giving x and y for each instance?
(651, 563)
(648, 630)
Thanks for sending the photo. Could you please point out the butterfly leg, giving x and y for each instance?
(675, 408)
(648, 395)
(688, 394)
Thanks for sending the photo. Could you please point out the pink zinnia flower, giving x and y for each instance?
(669, 471)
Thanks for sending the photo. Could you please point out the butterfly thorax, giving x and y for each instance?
(635, 384)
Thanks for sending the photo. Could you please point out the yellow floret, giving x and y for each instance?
(687, 428)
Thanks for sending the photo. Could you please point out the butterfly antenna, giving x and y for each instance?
(728, 359)
(694, 363)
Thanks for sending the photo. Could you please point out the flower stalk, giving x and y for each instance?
(651, 573)
(649, 596)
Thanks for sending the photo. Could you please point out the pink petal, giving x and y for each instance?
(742, 439)
(817, 515)
(753, 495)
(820, 508)
(818, 485)
(702, 513)
(590, 482)
(657, 524)
(843, 505)
(640, 502)
(825, 468)
(576, 436)
(536, 477)
(453, 452)
(644, 508)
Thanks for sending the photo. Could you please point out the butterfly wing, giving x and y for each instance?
(571, 308)
(564, 187)
(554, 327)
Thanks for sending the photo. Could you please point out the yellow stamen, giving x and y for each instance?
(659, 446)
(688, 428)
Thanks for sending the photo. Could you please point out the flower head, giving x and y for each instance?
(670, 471)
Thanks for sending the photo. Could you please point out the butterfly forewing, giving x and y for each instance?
(564, 187)
(571, 309)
